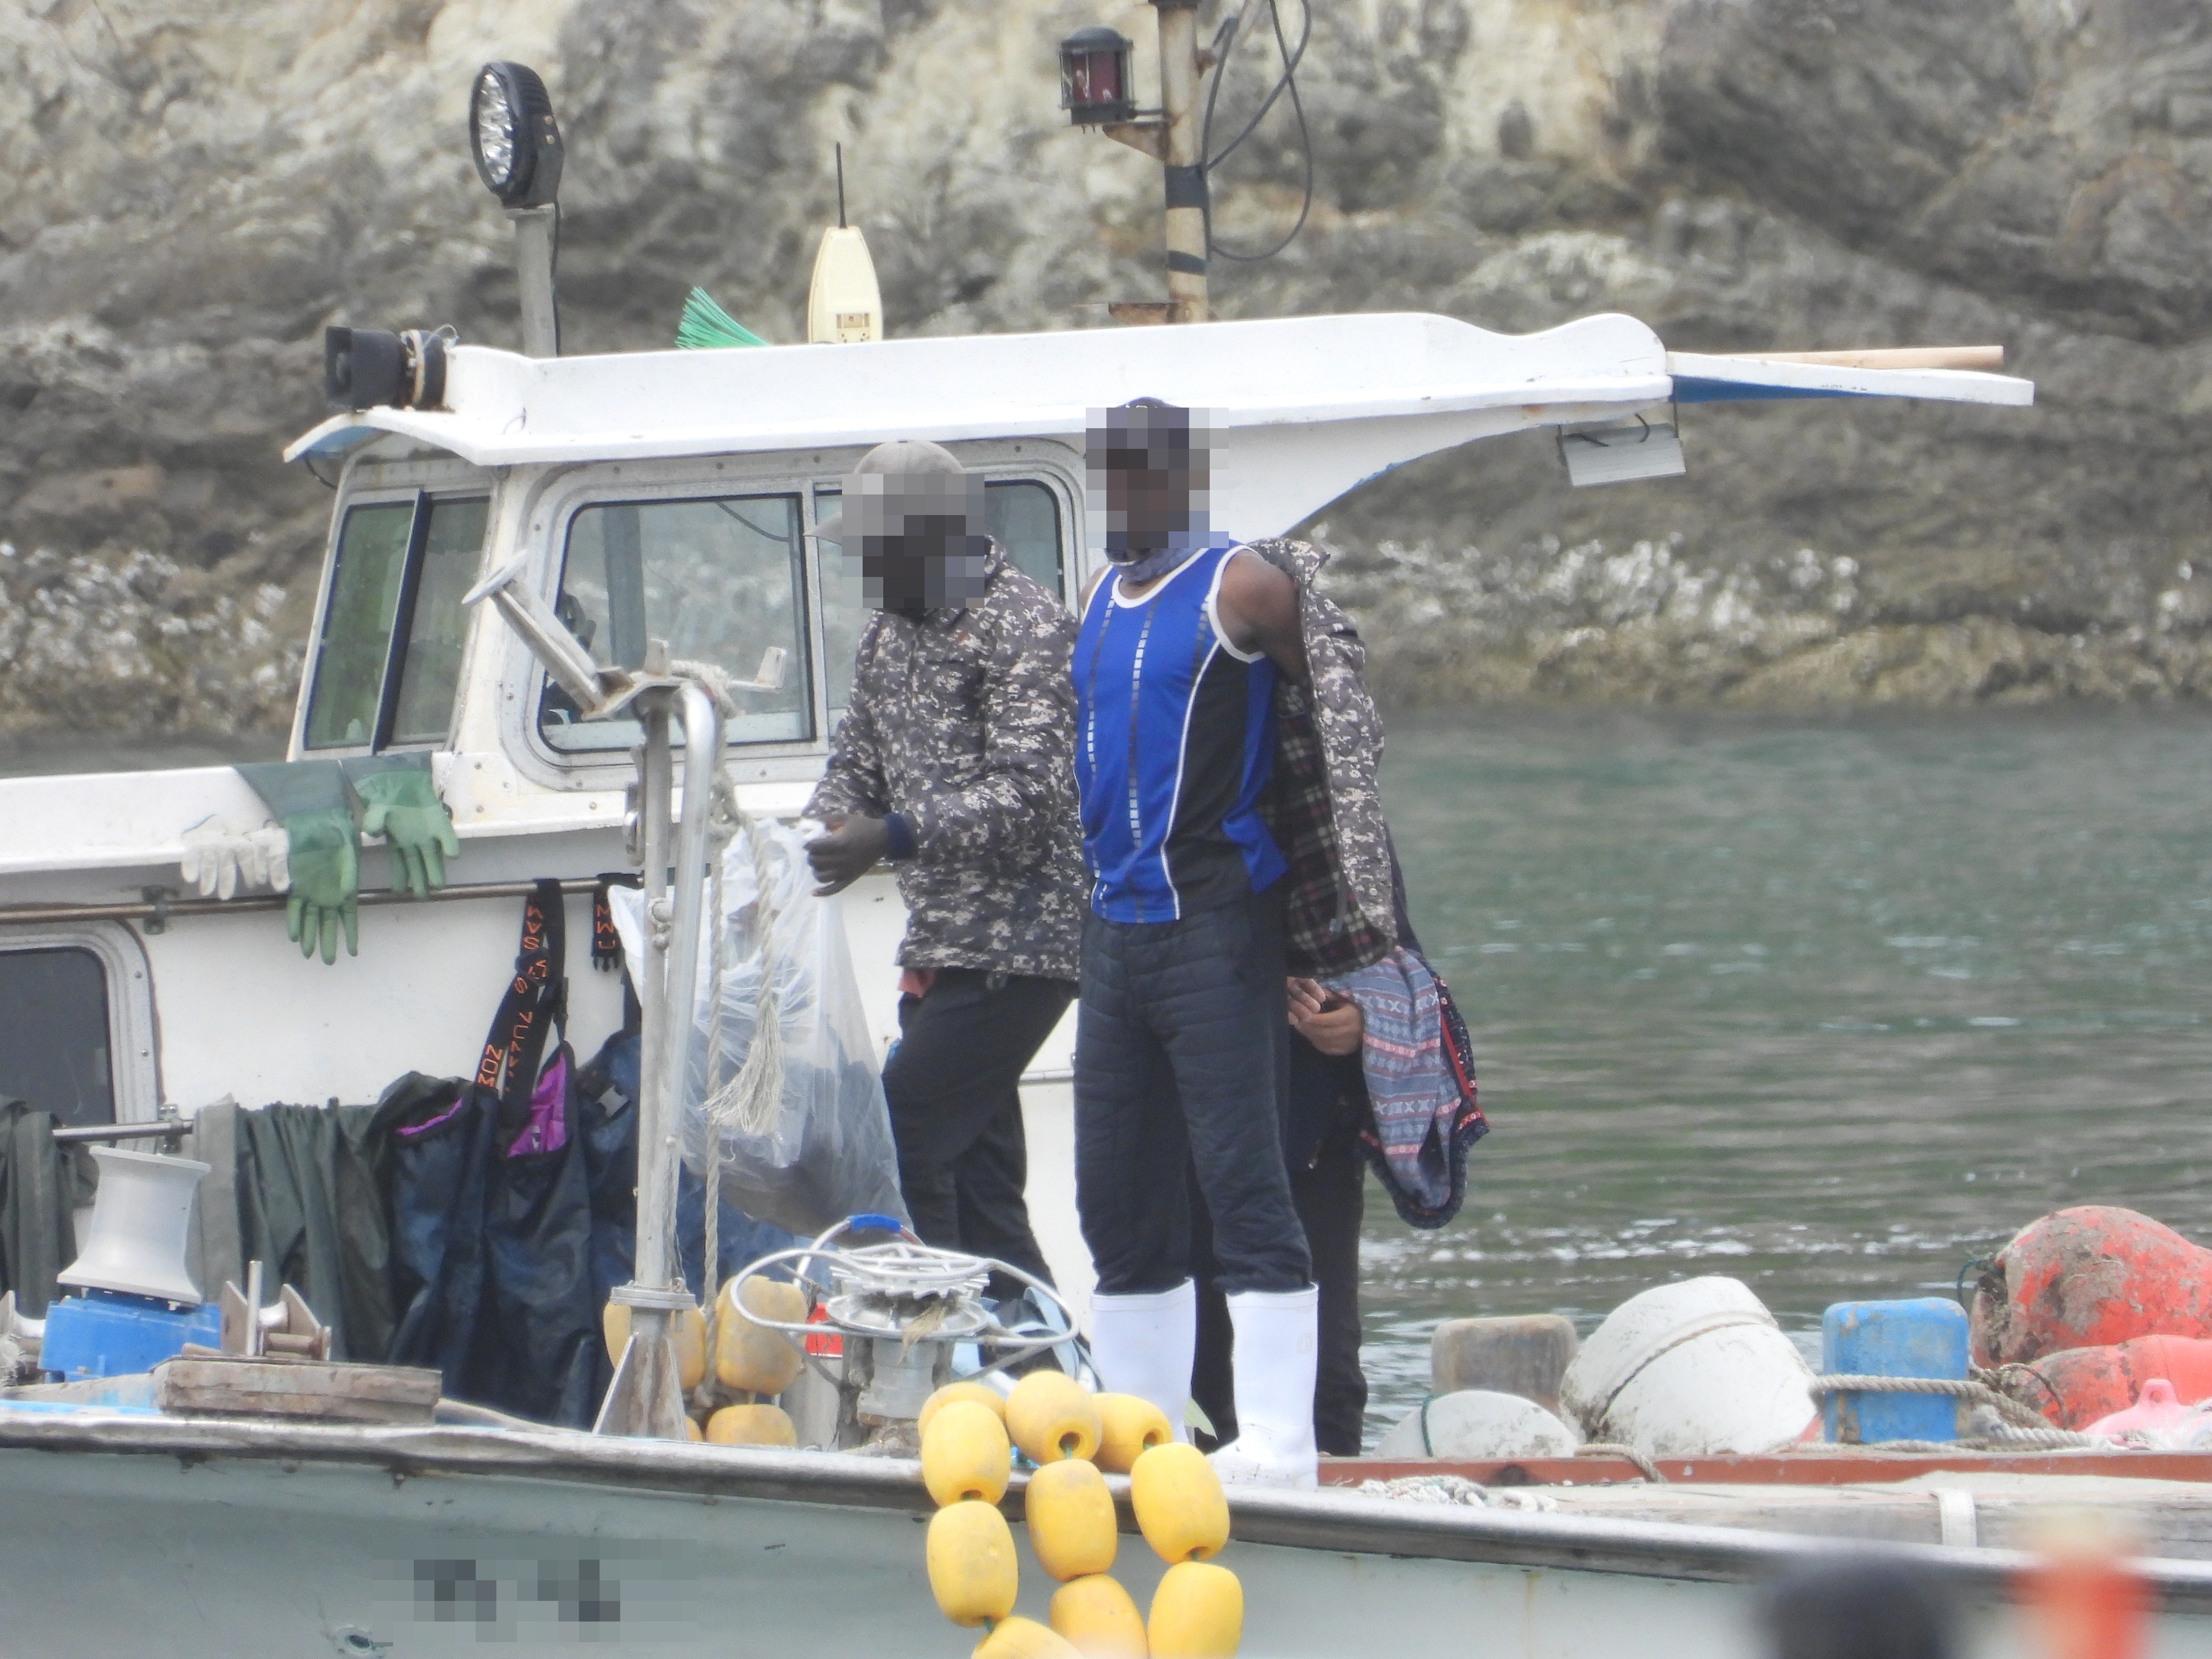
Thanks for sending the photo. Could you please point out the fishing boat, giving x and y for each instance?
(614, 518)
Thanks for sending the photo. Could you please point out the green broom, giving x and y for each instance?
(706, 326)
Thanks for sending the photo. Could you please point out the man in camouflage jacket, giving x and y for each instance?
(953, 762)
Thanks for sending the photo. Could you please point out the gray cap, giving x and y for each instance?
(903, 460)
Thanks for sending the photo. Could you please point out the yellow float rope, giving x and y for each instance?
(968, 1435)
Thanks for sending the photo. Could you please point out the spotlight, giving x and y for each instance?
(374, 367)
(515, 138)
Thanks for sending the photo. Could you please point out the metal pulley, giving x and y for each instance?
(907, 1315)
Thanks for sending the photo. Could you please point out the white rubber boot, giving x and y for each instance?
(1144, 1345)
(1274, 1372)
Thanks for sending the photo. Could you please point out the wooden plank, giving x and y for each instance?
(1974, 356)
(256, 1387)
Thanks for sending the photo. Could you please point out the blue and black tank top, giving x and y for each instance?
(1174, 738)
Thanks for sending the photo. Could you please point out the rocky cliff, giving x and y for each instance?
(197, 187)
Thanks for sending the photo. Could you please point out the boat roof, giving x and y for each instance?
(1300, 408)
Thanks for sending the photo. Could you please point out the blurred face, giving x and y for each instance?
(917, 539)
(1148, 475)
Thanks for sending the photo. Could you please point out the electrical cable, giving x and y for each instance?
(1291, 59)
(1287, 82)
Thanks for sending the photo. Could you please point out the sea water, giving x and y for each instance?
(1834, 1007)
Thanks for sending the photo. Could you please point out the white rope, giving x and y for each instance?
(1644, 1466)
(747, 1103)
(1980, 1392)
(724, 819)
(1428, 1489)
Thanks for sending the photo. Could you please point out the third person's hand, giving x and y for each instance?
(1333, 1024)
(848, 849)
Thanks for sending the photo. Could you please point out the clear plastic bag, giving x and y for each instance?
(822, 1149)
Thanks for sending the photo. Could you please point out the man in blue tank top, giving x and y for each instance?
(1182, 1032)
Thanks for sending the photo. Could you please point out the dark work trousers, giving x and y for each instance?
(1181, 1043)
(955, 1105)
(1328, 1098)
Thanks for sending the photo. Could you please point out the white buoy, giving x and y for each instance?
(141, 1218)
(1690, 1369)
(1478, 1425)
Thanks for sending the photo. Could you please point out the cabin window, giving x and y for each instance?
(54, 1034)
(388, 661)
(721, 579)
(1023, 518)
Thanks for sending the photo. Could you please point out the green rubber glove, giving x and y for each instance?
(310, 799)
(404, 808)
(325, 896)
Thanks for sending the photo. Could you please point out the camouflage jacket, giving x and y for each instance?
(963, 724)
(1324, 805)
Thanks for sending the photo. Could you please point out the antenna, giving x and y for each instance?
(841, 187)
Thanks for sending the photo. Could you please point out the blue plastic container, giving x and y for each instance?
(1922, 1338)
(108, 1334)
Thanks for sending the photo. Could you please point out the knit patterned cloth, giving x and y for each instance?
(1420, 1081)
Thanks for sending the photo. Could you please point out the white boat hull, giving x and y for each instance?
(239, 1540)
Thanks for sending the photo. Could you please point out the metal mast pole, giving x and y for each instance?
(534, 231)
(1185, 167)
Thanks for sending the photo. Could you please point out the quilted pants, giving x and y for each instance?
(1182, 1046)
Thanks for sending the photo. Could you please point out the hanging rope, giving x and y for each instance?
(747, 1103)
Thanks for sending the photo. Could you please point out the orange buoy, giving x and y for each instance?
(2080, 1386)
(2085, 1601)
(2090, 1277)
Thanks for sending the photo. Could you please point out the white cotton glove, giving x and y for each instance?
(274, 848)
(219, 858)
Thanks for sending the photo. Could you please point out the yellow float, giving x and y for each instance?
(1023, 1638)
(690, 1332)
(964, 1454)
(1070, 1516)
(1098, 1617)
(972, 1571)
(751, 1426)
(749, 1356)
(1128, 1428)
(988, 1398)
(1051, 1416)
(1180, 1506)
(1198, 1613)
